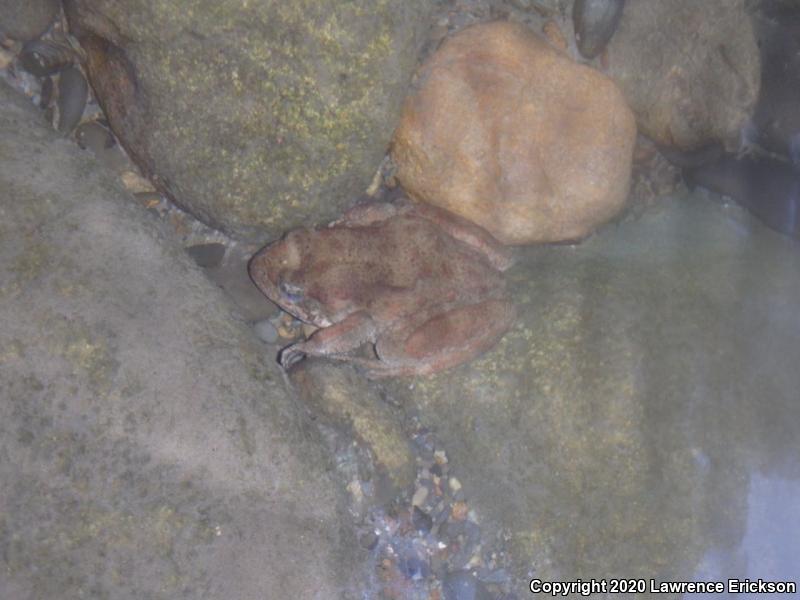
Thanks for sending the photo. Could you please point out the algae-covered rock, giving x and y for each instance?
(255, 116)
(149, 449)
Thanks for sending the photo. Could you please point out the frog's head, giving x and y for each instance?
(277, 270)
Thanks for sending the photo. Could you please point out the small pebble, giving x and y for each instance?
(421, 520)
(555, 36)
(419, 496)
(148, 199)
(451, 530)
(369, 540)
(94, 136)
(5, 58)
(73, 91)
(266, 331)
(45, 57)
(411, 563)
(46, 93)
(135, 183)
(595, 22)
(472, 531)
(497, 576)
(207, 255)
(459, 511)
(462, 585)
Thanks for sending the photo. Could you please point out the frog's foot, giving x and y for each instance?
(291, 355)
(334, 341)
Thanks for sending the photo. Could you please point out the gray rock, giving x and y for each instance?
(28, 19)
(73, 92)
(148, 449)
(255, 117)
(691, 74)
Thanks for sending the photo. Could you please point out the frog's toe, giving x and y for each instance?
(290, 356)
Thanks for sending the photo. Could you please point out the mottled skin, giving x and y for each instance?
(422, 285)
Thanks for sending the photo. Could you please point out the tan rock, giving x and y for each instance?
(513, 135)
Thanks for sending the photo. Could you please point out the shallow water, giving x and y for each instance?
(641, 418)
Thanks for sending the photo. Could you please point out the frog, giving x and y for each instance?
(421, 288)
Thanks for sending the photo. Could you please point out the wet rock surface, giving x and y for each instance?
(149, 449)
(513, 135)
(255, 117)
(690, 74)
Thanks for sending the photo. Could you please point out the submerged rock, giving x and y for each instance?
(650, 380)
(513, 135)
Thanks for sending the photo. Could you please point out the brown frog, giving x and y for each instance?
(422, 285)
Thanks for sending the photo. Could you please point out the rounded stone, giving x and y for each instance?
(515, 136)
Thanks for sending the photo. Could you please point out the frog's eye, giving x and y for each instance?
(291, 291)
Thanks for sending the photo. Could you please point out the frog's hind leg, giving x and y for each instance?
(445, 340)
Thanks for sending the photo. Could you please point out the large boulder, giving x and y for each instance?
(149, 448)
(257, 116)
(510, 133)
(690, 71)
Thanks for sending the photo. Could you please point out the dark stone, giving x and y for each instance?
(595, 21)
(73, 91)
(27, 19)
(421, 520)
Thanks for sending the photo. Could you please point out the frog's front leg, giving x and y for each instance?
(333, 341)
